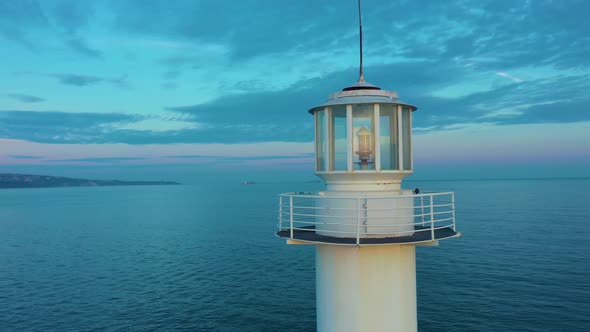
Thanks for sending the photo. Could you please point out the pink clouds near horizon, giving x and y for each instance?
(489, 144)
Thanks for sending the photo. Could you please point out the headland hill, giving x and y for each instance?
(8, 180)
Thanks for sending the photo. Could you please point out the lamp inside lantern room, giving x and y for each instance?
(364, 151)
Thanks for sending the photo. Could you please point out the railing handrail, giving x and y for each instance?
(388, 217)
(316, 195)
(345, 209)
(353, 224)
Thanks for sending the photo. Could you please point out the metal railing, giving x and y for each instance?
(366, 216)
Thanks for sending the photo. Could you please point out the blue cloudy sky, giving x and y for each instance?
(207, 82)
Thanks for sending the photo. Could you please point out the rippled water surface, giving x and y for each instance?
(204, 258)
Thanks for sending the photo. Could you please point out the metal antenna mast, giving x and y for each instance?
(361, 74)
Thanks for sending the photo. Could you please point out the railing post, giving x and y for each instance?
(291, 213)
(280, 213)
(366, 215)
(358, 221)
(431, 217)
(453, 207)
(422, 208)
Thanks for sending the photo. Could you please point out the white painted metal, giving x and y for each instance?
(382, 214)
(357, 93)
(315, 140)
(327, 138)
(377, 139)
(431, 219)
(280, 212)
(411, 142)
(329, 141)
(358, 221)
(362, 97)
(291, 219)
(354, 181)
(361, 289)
(453, 202)
(400, 139)
(422, 208)
(349, 133)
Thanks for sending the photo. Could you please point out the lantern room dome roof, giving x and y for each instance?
(362, 93)
(361, 85)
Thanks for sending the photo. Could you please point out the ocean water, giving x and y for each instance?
(204, 258)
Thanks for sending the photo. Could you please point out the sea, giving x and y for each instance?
(203, 257)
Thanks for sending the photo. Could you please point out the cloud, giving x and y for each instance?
(29, 22)
(80, 80)
(510, 34)
(510, 77)
(556, 100)
(80, 46)
(51, 126)
(18, 18)
(237, 158)
(540, 47)
(25, 98)
(175, 152)
(83, 80)
(281, 115)
(97, 160)
(19, 156)
(77, 80)
(69, 15)
(250, 27)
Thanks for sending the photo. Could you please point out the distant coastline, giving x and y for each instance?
(11, 181)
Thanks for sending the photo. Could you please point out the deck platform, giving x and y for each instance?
(422, 234)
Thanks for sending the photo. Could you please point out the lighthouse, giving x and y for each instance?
(365, 226)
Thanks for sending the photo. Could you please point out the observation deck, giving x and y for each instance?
(367, 219)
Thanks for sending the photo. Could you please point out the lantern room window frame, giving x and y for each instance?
(325, 140)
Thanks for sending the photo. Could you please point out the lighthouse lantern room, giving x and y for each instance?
(364, 130)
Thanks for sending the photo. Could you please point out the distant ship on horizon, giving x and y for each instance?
(248, 182)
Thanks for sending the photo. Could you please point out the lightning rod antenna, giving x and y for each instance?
(361, 74)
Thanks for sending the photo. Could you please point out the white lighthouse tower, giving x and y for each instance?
(364, 225)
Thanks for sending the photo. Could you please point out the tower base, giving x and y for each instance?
(370, 288)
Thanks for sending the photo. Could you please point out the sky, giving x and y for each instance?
(501, 86)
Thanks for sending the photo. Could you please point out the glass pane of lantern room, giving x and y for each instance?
(407, 137)
(363, 137)
(388, 140)
(339, 139)
(320, 148)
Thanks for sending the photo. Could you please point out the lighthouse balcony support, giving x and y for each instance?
(367, 219)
